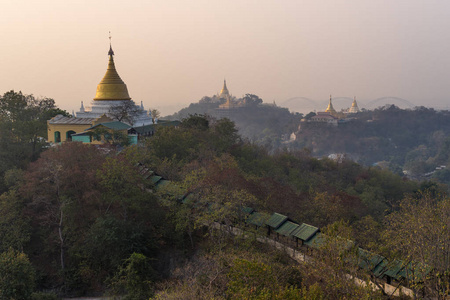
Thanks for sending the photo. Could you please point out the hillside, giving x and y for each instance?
(415, 141)
(264, 124)
(83, 220)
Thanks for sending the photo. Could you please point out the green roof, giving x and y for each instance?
(152, 127)
(257, 219)
(305, 232)
(168, 123)
(276, 220)
(145, 128)
(115, 125)
(320, 239)
(287, 228)
(161, 184)
(154, 179)
(247, 210)
(188, 199)
(380, 270)
(317, 240)
(368, 260)
(147, 175)
(392, 269)
(415, 271)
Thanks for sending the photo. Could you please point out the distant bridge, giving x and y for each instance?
(301, 100)
(389, 100)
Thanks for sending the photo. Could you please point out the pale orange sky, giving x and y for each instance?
(171, 53)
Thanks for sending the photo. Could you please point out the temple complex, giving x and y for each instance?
(111, 95)
(112, 92)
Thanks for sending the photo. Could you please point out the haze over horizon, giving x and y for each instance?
(173, 52)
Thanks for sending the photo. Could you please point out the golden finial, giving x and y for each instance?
(110, 52)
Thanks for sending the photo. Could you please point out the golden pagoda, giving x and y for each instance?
(330, 108)
(112, 92)
(112, 86)
(224, 92)
(354, 109)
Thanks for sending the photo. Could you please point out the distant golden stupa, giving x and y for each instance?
(330, 108)
(354, 109)
(224, 93)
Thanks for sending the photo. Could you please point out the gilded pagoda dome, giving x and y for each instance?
(112, 86)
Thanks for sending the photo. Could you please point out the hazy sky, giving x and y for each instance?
(173, 52)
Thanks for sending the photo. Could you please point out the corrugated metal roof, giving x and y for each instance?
(247, 210)
(305, 232)
(421, 271)
(414, 271)
(169, 123)
(368, 260)
(188, 199)
(257, 219)
(392, 269)
(60, 119)
(380, 270)
(276, 220)
(317, 240)
(152, 127)
(287, 228)
(320, 239)
(144, 129)
(154, 179)
(115, 125)
(161, 184)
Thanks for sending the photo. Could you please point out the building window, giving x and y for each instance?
(57, 137)
(69, 135)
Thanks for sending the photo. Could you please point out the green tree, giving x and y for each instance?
(136, 278)
(23, 127)
(109, 136)
(419, 234)
(251, 99)
(16, 275)
(63, 194)
(15, 228)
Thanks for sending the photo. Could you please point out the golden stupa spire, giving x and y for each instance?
(224, 93)
(112, 86)
(330, 108)
(354, 104)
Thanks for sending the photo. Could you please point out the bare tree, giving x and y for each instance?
(127, 111)
(155, 115)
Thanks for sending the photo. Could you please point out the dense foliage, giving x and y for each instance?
(23, 129)
(82, 220)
